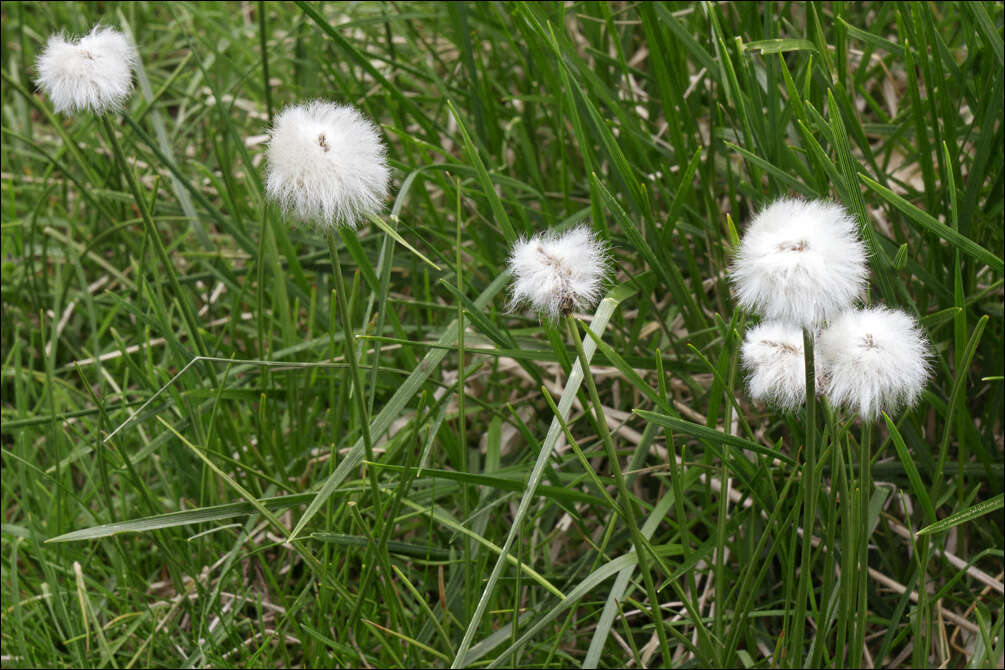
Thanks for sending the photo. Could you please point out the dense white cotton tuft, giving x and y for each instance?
(93, 73)
(556, 273)
(772, 355)
(326, 164)
(800, 262)
(876, 360)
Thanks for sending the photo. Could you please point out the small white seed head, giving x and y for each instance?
(876, 360)
(327, 165)
(800, 262)
(772, 355)
(556, 273)
(94, 73)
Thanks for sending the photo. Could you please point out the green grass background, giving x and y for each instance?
(664, 125)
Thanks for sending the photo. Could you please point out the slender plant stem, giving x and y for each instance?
(583, 460)
(828, 592)
(865, 491)
(343, 307)
(810, 489)
(627, 504)
(384, 262)
(357, 392)
(69, 143)
(462, 429)
(282, 297)
(260, 288)
(721, 589)
(265, 58)
(849, 559)
(675, 476)
(155, 239)
(923, 616)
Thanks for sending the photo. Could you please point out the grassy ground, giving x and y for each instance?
(665, 126)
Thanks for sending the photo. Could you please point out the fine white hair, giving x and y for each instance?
(876, 360)
(800, 262)
(556, 273)
(327, 165)
(772, 354)
(93, 73)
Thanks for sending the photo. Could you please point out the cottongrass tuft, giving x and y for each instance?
(800, 262)
(876, 360)
(772, 355)
(327, 165)
(93, 73)
(556, 273)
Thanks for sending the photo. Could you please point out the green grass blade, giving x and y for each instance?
(396, 236)
(913, 476)
(711, 435)
(439, 516)
(600, 319)
(933, 225)
(499, 481)
(498, 211)
(186, 518)
(626, 562)
(392, 409)
(965, 516)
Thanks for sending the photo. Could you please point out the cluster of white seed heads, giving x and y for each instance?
(802, 266)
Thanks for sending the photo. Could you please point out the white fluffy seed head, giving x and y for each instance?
(800, 262)
(556, 273)
(327, 165)
(772, 355)
(876, 360)
(93, 73)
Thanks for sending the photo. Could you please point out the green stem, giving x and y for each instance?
(849, 559)
(357, 392)
(583, 460)
(923, 617)
(721, 589)
(384, 262)
(349, 339)
(155, 239)
(265, 58)
(865, 491)
(271, 250)
(810, 488)
(462, 429)
(675, 475)
(627, 503)
(828, 592)
(68, 142)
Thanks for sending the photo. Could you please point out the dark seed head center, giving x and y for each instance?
(566, 302)
(550, 260)
(783, 346)
(798, 245)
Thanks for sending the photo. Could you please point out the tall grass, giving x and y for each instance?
(226, 444)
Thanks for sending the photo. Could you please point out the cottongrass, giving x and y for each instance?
(327, 165)
(93, 73)
(800, 263)
(876, 360)
(556, 273)
(772, 354)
